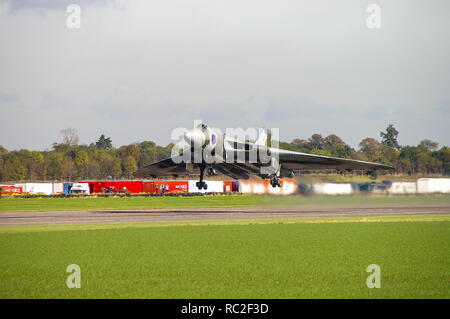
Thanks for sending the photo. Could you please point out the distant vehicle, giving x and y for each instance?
(79, 188)
(218, 152)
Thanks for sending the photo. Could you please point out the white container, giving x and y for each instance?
(35, 188)
(58, 188)
(403, 188)
(332, 189)
(288, 187)
(245, 187)
(409, 188)
(213, 187)
(433, 185)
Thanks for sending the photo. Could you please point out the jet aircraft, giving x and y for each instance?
(208, 149)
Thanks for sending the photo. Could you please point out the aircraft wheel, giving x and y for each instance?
(275, 183)
(201, 185)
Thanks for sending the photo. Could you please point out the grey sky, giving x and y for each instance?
(137, 69)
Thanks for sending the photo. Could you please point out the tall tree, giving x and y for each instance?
(370, 147)
(129, 165)
(337, 147)
(104, 142)
(390, 137)
(316, 141)
(429, 144)
(70, 136)
(444, 156)
(14, 168)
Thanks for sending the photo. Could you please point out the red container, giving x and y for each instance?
(171, 187)
(115, 186)
(11, 190)
(227, 186)
(148, 187)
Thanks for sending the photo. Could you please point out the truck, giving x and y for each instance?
(79, 188)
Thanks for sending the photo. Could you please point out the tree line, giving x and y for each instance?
(69, 161)
(425, 158)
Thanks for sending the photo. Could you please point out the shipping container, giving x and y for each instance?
(250, 186)
(171, 187)
(67, 187)
(245, 187)
(11, 189)
(36, 188)
(148, 187)
(213, 187)
(379, 188)
(58, 188)
(364, 187)
(227, 186)
(288, 186)
(114, 186)
(235, 186)
(332, 189)
(402, 188)
(433, 185)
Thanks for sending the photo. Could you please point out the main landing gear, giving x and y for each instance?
(275, 182)
(202, 184)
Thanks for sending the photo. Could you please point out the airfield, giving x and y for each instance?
(226, 246)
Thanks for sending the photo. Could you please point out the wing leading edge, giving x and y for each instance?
(296, 161)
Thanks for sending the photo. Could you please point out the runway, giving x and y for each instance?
(154, 215)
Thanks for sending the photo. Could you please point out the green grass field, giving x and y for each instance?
(99, 203)
(286, 258)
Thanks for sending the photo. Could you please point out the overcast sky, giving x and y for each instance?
(135, 70)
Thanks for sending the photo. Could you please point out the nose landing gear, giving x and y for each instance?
(201, 184)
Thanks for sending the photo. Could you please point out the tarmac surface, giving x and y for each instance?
(153, 215)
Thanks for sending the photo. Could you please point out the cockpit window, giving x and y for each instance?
(202, 126)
